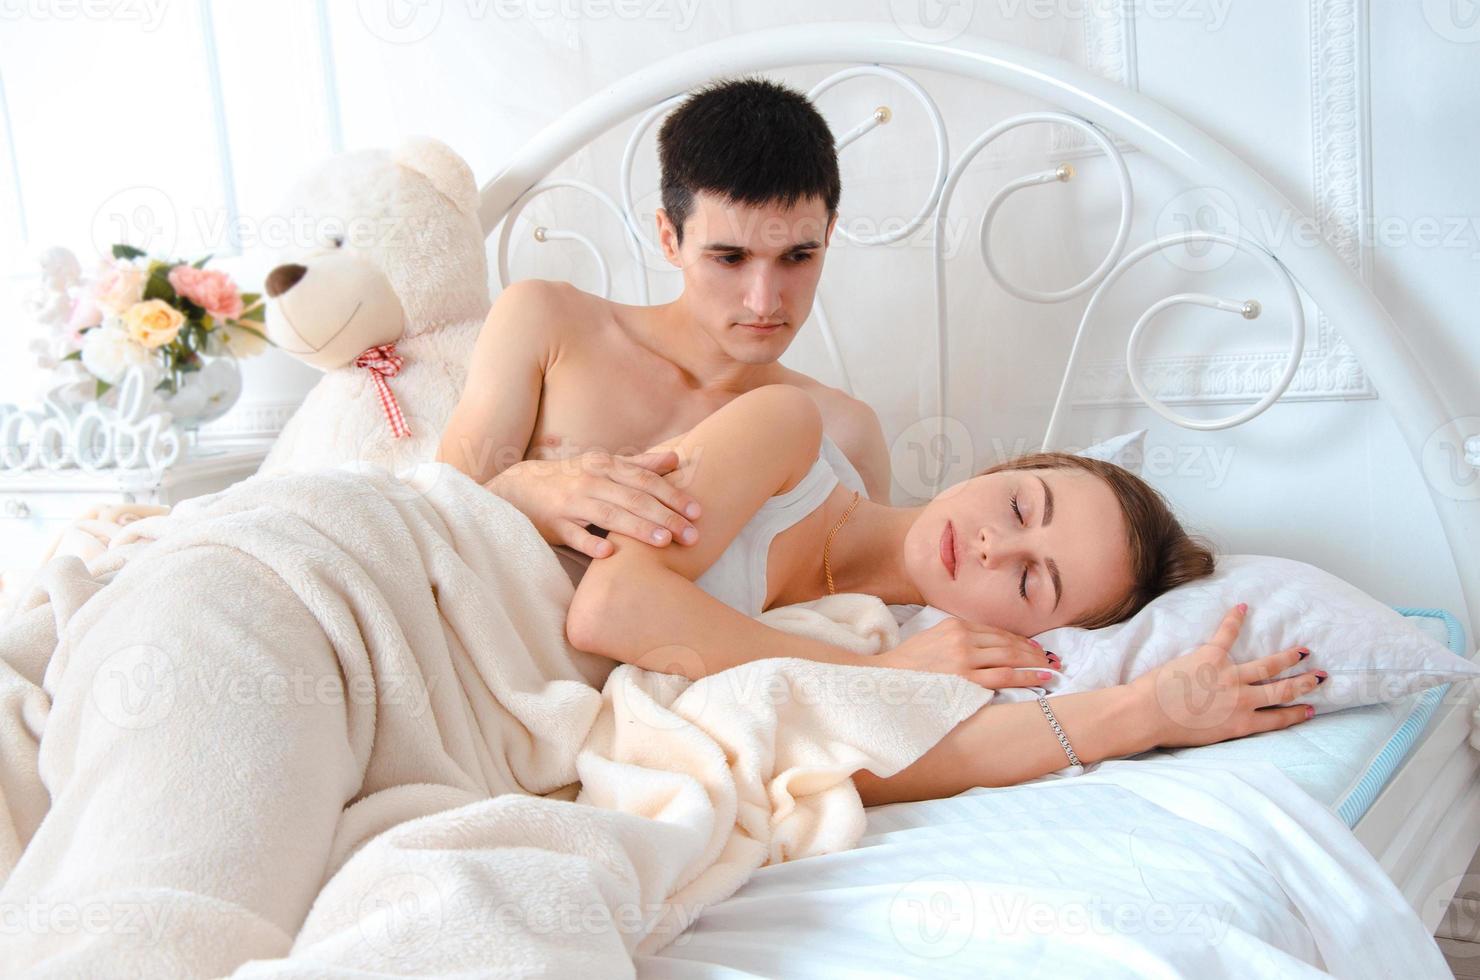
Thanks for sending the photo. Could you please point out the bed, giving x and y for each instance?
(1401, 775)
(1331, 848)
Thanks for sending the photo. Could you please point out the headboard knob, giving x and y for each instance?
(1065, 172)
(883, 114)
(1251, 309)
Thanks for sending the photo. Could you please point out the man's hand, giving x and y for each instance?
(621, 494)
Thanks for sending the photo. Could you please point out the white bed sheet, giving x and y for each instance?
(1155, 868)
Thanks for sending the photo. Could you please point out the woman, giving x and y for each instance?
(1028, 546)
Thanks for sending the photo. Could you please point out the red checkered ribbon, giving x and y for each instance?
(383, 362)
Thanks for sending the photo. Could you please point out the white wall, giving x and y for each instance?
(1360, 112)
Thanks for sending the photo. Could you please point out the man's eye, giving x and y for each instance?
(727, 259)
(800, 258)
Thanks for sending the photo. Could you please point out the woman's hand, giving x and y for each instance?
(984, 655)
(1204, 697)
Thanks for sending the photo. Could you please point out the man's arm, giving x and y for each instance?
(490, 428)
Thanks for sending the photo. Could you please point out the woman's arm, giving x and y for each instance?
(1006, 744)
(654, 618)
(641, 606)
(1198, 698)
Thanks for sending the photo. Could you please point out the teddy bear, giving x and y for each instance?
(384, 287)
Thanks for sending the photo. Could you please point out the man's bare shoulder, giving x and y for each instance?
(548, 299)
(839, 409)
(547, 310)
(854, 426)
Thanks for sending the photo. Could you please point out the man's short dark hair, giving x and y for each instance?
(750, 141)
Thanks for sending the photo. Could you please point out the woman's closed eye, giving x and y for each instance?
(1023, 583)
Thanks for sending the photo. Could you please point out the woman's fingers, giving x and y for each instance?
(1287, 689)
(1013, 655)
(998, 678)
(1228, 629)
(991, 638)
(1273, 719)
(1263, 668)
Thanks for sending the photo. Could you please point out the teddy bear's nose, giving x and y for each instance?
(282, 279)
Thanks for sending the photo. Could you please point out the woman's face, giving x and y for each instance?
(1059, 555)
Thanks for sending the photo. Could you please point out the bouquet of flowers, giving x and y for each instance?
(176, 317)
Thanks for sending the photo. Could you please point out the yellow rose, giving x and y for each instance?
(153, 322)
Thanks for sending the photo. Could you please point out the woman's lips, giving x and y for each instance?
(948, 549)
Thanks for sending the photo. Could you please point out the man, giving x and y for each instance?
(564, 387)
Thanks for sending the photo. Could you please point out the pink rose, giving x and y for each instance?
(85, 313)
(210, 289)
(119, 286)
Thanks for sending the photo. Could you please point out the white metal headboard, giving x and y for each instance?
(1095, 106)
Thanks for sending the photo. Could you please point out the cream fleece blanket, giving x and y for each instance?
(328, 722)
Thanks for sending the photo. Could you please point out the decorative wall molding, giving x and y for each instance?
(1110, 52)
(1341, 156)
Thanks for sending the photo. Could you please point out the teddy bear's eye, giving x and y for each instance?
(337, 241)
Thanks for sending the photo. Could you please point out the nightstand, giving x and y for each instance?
(36, 505)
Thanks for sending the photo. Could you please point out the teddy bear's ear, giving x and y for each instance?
(447, 171)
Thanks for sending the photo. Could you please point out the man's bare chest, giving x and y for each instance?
(621, 401)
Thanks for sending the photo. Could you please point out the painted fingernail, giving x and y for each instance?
(659, 536)
(1044, 675)
(692, 510)
(1035, 643)
(1243, 607)
(1304, 653)
(1320, 677)
(690, 535)
(1310, 712)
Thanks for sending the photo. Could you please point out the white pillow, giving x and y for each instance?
(1372, 653)
(1128, 450)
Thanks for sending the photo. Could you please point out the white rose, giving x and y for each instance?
(108, 351)
(244, 343)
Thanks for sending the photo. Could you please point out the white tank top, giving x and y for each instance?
(738, 576)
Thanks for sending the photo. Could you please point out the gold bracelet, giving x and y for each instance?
(1058, 731)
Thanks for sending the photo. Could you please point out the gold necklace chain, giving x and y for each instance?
(827, 547)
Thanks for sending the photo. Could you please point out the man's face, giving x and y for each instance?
(749, 272)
